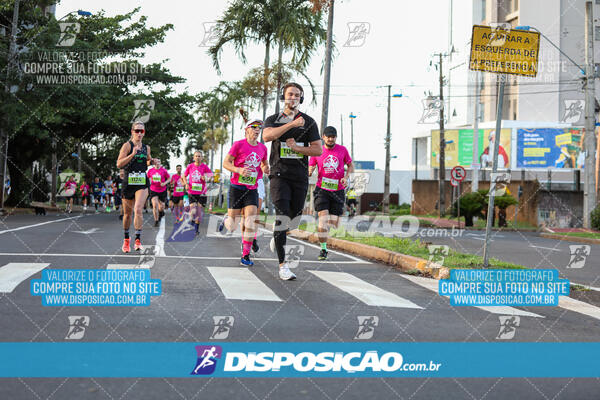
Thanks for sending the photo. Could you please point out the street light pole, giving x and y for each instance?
(386, 181)
(352, 116)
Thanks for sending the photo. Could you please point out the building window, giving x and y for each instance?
(596, 32)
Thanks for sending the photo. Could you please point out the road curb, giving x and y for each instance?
(401, 261)
(570, 238)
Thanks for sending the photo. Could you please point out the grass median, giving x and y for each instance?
(590, 235)
(417, 248)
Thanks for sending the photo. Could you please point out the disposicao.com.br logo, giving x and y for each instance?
(304, 363)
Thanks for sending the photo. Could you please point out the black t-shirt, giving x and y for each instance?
(283, 161)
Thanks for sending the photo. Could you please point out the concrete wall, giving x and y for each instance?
(426, 195)
(560, 209)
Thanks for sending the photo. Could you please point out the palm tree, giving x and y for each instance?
(289, 23)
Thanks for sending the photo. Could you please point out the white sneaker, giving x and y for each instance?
(285, 273)
(272, 245)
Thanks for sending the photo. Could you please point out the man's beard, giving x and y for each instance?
(330, 146)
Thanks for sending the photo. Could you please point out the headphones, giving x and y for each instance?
(292, 84)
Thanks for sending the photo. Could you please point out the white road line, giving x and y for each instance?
(364, 291)
(127, 266)
(357, 260)
(432, 284)
(12, 274)
(40, 224)
(241, 284)
(177, 257)
(545, 248)
(159, 248)
(577, 306)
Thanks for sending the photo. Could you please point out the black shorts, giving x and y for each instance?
(85, 197)
(288, 196)
(351, 202)
(197, 198)
(129, 191)
(330, 201)
(176, 200)
(162, 196)
(241, 197)
(97, 196)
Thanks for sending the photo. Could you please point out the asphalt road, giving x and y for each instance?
(320, 306)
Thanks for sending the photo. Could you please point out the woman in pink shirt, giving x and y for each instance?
(178, 193)
(85, 194)
(196, 177)
(70, 188)
(159, 179)
(247, 161)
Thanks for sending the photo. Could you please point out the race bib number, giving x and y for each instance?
(136, 178)
(286, 152)
(329, 184)
(156, 178)
(178, 189)
(120, 186)
(248, 180)
(197, 187)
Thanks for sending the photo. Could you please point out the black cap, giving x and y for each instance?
(329, 131)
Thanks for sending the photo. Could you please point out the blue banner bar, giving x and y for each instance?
(306, 359)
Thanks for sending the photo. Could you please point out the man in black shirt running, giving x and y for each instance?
(294, 137)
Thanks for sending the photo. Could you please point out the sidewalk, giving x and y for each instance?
(444, 223)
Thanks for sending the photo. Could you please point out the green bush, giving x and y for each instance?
(471, 205)
(595, 218)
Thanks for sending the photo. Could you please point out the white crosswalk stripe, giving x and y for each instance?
(432, 285)
(12, 274)
(364, 291)
(241, 284)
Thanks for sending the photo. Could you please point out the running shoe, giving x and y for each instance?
(323, 255)
(255, 247)
(126, 247)
(246, 261)
(155, 224)
(138, 245)
(285, 273)
(161, 214)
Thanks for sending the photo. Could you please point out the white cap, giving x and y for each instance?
(252, 121)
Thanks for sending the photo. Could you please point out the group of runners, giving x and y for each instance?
(104, 194)
(296, 152)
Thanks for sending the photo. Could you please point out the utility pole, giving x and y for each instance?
(79, 157)
(342, 128)
(386, 182)
(327, 69)
(442, 175)
(12, 50)
(475, 164)
(54, 173)
(352, 116)
(589, 194)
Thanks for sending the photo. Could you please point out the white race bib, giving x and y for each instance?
(156, 178)
(178, 189)
(286, 152)
(136, 178)
(329, 184)
(197, 187)
(248, 180)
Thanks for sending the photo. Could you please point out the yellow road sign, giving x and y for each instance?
(504, 51)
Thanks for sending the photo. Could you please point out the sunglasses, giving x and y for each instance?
(139, 130)
(255, 126)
